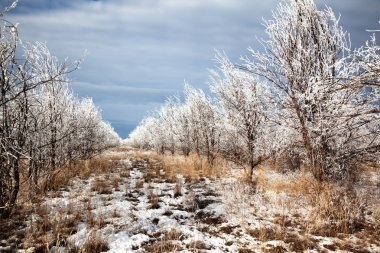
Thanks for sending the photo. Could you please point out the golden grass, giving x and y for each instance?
(139, 184)
(298, 184)
(153, 200)
(337, 210)
(62, 178)
(53, 228)
(192, 167)
(178, 188)
(98, 165)
(117, 157)
(101, 186)
(115, 182)
(332, 208)
(196, 245)
(124, 148)
(94, 243)
(166, 242)
(145, 155)
(162, 246)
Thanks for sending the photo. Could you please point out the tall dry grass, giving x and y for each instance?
(49, 229)
(193, 167)
(94, 243)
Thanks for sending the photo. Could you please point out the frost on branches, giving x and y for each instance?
(43, 126)
(307, 96)
(243, 105)
(323, 90)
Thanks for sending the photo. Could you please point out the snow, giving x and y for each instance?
(212, 215)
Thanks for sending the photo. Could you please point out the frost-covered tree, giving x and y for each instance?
(309, 64)
(307, 96)
(169, 119)
(189, 126)
(40, 119)
(147, 134)
(243, 105)
(19, 77)
(204, 122)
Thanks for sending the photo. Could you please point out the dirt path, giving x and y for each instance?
(135, 207)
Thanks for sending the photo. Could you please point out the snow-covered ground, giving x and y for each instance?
(137, 209)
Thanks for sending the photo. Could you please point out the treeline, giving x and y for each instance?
(308, 99)
(43, 126)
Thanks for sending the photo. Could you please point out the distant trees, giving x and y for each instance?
(204, 123)
(306, 95)
(189, 127)
(42, 125)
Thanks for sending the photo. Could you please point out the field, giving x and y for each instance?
(133, 201)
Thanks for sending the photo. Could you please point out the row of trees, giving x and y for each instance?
(43, 126)
(308, 96)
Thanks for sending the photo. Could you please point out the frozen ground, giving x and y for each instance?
(137, 209)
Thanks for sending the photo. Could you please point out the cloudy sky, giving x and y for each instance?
(141, 51)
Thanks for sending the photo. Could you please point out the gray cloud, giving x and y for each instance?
(141, 51)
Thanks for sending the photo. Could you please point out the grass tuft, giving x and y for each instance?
(94, 243)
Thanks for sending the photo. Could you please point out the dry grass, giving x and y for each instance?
(337, 210)
(95, 221)
(246, 178)
(139, 183)
(98, 165)
(162, 246)
(173, 234)
(294, 184)
(295, 241)
(62, 178)
(192, 167)
(334, 209)
(122, 149)
(101, 186)
(329, 209)
(191, 201)
(125, 173)
(197, 245)
(297, 200)
(178, 188)
(59, 179)
(116, 180)
(166, 242)
(116, 214)
(369, 167)
(264, 233)
(52, 228)
(153, 200)
(144, 155)
(94, 243)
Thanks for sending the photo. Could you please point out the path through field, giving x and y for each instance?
(137, 208)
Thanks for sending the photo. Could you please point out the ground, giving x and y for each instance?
(136, 207)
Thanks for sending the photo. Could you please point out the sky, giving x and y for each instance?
(139, 52)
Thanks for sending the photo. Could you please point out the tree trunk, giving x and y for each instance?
(315, 166)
